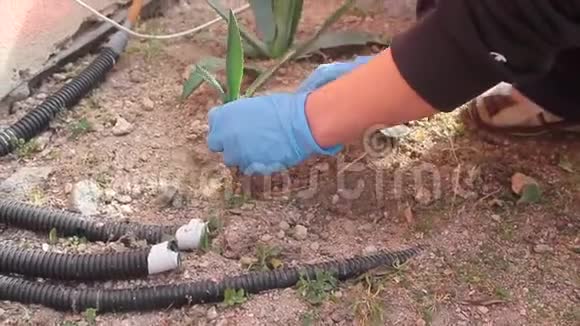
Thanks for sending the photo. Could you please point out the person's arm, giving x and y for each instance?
(456, 52)
(342, 110)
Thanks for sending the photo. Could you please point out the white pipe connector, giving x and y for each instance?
(162, 258)
(189, 235)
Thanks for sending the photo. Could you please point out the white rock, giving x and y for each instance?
(300, 232)
(315, 246)
(84, 197)
(483, 310)
(122, 127)
(284, 226)
(211, 313)
(148, 104)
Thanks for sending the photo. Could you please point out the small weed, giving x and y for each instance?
(75, 240)
(68, 323)
(236, 201)
(309, 318)
(36, 196)
(317, 290)
(26, 150)
(103, 179)
(213, 228)
(53, 236)
(502, 293)
(573, 314)
(91, 316)
(80, 128)
(506, 231)
(368, 308)
(267, 258)
(233, 297)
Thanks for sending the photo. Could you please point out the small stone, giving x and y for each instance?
(178, 201)
(198, 127)
(483, 310)
(247, 261)
(266, 238)
(338, 294)
(211, 313)
(136, 77)
(335, 199)
(496, 218)
(122, 127)
(108, 195)
(369, 250)
(423, 196)
(348, 226)
(523, 312)
(280, 235)
(165, 195)
(69, 66)
(60, 76)
(148, 104)
(20, 93)
(126, 209)
(542, 249)
(315, 246)
(420, 322)
(82, 247)
(41, 96)
(124, 199)
(300, 232)
(45, 247)
(85, 196)
(222, 322)
(284, 226)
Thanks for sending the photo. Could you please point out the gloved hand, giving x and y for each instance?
(267, 134)
(326, 73)
(264, 134)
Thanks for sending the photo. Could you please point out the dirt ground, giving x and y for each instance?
(489, 260)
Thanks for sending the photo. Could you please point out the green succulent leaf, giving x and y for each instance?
(264, 15)
(234, 59)
(210, 79)
(211, 64)
(340, 39)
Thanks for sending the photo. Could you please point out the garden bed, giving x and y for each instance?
(489, 260)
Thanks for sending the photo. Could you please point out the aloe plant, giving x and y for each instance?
(234, 64)
(277, 22)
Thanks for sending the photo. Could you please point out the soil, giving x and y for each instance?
(489, 260)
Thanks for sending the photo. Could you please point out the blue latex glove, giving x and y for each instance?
(326, 73)
(267, 134)
(264, 134)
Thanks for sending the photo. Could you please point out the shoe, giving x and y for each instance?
(503, 109)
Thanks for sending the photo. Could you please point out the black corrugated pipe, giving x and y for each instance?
(30, 217)
(37, 120)
(156, 259)
(177, 295)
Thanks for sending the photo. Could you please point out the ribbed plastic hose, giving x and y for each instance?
(177, 295)
(39, 118)
(34, 218)
(89, 267)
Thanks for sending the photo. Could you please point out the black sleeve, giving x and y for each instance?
(463, 47)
